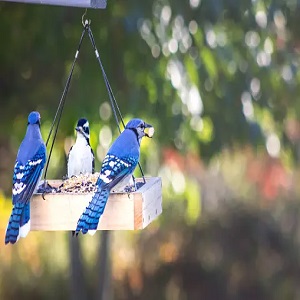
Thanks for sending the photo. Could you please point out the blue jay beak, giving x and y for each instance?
(149, 130)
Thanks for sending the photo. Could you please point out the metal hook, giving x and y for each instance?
(85, 22)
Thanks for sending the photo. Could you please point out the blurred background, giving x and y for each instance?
(219, 81)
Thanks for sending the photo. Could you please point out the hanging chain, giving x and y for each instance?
(112, 99)
(60, 108)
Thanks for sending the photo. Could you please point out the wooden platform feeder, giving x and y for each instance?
(124, 211)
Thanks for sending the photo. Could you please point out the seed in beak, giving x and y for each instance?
(149, 132)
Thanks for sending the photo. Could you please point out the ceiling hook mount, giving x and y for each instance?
(85, 22)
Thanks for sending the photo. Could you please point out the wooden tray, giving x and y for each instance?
(123, 211)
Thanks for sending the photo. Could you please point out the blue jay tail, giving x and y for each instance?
(88, 221)
(19, 223)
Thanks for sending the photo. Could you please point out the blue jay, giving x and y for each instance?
(81, 156)
(28, 169)
(116, 172)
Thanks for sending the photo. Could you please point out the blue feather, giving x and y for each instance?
(12, 231)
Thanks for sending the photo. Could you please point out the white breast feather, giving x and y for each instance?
(80, 158)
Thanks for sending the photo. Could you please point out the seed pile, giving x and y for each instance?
(80, 184)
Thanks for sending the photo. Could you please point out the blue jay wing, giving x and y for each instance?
(26, 176)
(114, 169)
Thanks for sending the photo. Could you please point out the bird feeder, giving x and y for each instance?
(124, 211)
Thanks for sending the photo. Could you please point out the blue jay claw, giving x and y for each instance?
(130, 189)
(45, 188)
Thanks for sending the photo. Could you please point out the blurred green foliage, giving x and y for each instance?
(215, 68)
(219, 81)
